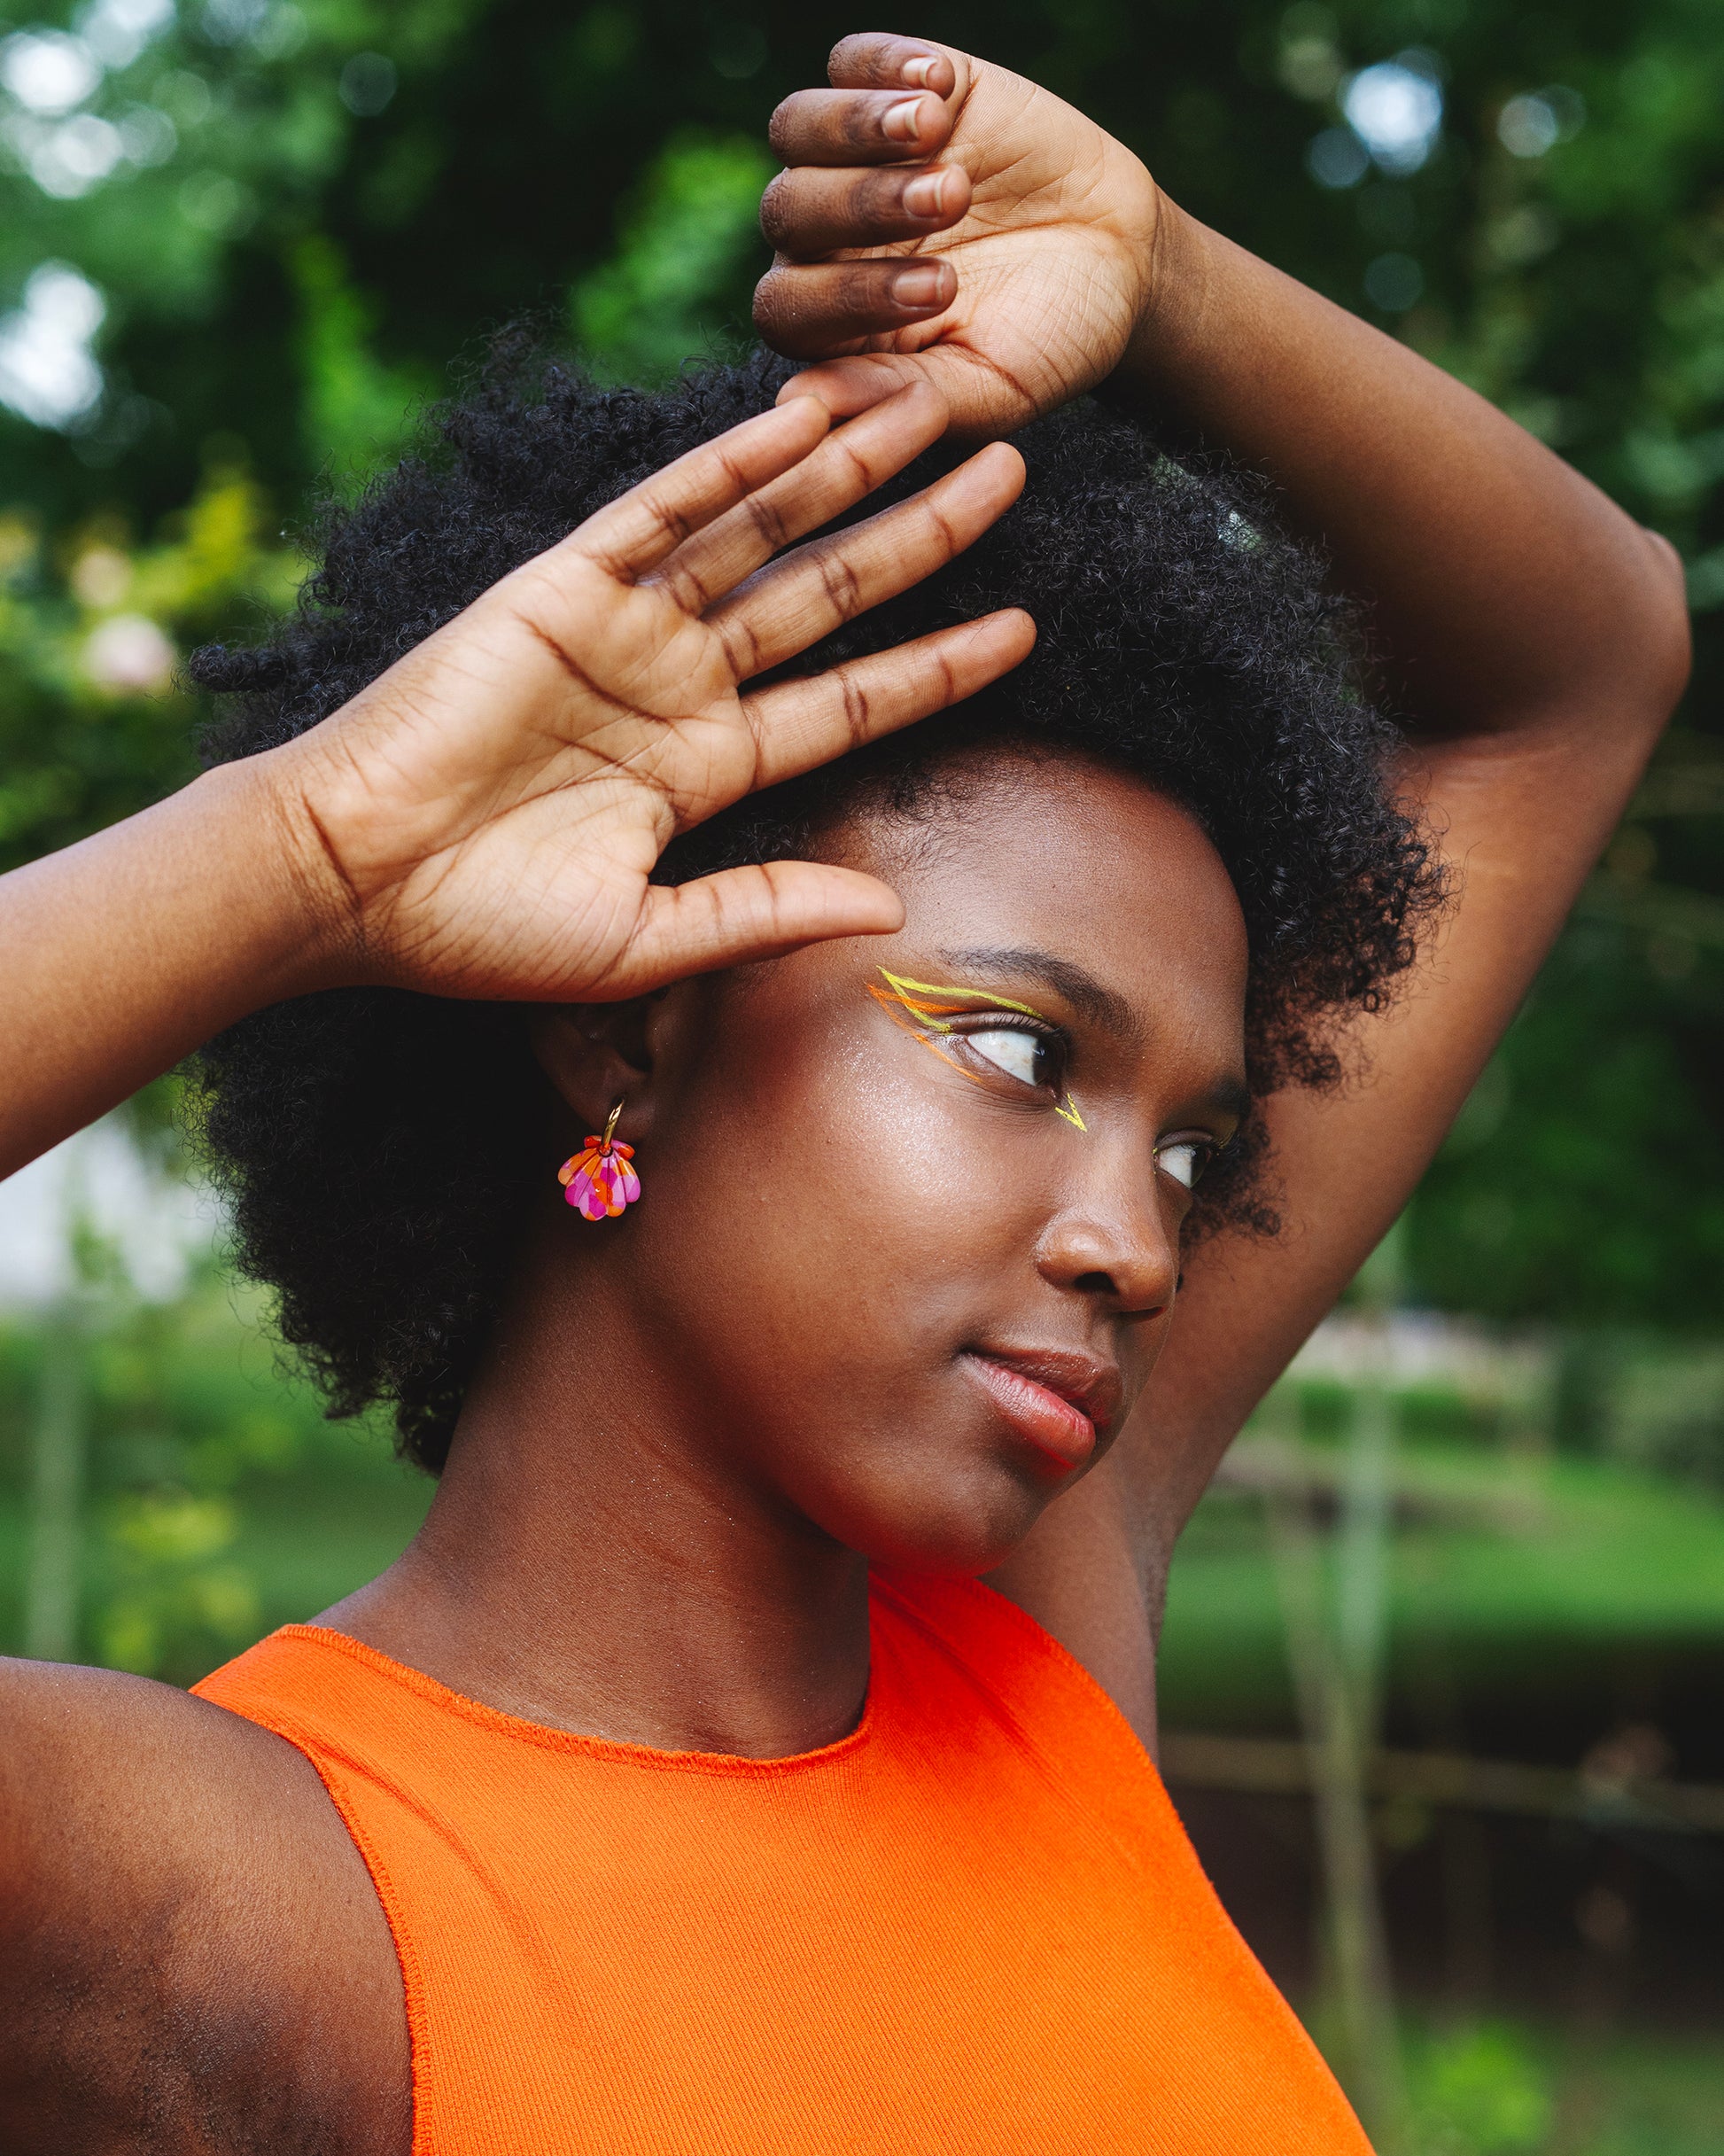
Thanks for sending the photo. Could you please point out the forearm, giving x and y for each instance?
(1503, 590)
(124, 953)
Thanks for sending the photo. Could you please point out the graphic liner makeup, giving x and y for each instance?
(924, 1009)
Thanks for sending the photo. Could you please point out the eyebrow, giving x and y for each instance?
(1089, 999)
(1082, 990)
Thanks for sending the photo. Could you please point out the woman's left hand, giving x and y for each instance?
(941, 216)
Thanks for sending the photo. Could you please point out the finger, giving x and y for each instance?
(813, 211)
(806, 595)
(858, 126)
(799, 724)
(846, 387)
(635, 534)
(876, 60)
(744, 914)
(846, 466)
(808, 310)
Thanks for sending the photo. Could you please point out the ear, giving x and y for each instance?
(596, 1055)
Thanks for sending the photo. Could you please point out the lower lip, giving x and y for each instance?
(1063, 1433)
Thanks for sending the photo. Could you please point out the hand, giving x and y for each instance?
(1015, 268)
(482, 820)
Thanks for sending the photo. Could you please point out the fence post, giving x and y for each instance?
(1336, 1651)
(53, 1587)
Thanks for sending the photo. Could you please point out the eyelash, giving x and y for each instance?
(1055, 1041)
(1205, 1150)
(1048, 1037)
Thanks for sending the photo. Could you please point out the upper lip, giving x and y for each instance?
(1083, 1381)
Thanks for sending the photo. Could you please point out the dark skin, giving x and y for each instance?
(192, 1957)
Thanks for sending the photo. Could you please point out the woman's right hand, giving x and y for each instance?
(483, 819)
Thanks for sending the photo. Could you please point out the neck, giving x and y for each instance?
(591, 1564)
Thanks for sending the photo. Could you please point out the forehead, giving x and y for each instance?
(1088, 864)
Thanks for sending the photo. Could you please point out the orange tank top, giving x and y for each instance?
(974, 1926)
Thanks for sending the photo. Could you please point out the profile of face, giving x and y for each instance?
(910, 1238)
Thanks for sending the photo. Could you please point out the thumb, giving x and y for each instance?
(847, 387)
(982, 408)
(741, 915)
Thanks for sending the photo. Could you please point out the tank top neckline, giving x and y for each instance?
(618, 1750)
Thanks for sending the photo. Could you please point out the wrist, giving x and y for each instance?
(290, 914)
(1176, 296)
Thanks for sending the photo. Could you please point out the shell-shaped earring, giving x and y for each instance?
(599, 1179)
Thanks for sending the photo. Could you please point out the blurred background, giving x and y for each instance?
(1444, 1659)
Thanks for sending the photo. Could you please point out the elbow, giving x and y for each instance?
(1660, 647)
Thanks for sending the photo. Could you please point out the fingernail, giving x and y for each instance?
(922, 287)
(921, 197)
(917, 71)
(900, 123)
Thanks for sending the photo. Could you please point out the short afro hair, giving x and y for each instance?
(379, 1147)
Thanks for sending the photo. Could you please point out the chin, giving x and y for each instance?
(955, 1524)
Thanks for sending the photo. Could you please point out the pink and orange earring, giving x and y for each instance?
(599, 1179)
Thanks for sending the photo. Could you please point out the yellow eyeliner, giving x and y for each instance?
(930, 1007)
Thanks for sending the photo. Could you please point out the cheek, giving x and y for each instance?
(821, 1218)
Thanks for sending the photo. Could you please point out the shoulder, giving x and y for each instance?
(144, 1782)
(175, 1887)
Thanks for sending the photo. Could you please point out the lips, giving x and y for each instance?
(1057, 1401)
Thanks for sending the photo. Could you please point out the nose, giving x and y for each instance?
(1114, 1240)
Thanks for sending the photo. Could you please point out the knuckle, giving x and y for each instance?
(781, 128)
(860, 118)
(742, 647)
(778, 210)
(768, 302)
(849, 57)
(861, 291)
(768, 520)
(843, 590)
(874, 195)
(856, 707)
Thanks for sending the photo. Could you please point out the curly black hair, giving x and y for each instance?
(380, 1147)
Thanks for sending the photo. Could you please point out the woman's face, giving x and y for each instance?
(910, 1237)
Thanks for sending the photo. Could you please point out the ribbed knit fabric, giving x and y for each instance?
(974, 1927)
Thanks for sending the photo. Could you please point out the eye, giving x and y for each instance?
(1184, 1159)
(1019, 1052)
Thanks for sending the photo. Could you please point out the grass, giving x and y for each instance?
(1506, 1576)
(1513, 2088)
(221, 1503)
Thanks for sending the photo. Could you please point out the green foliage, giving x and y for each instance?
(695, 223)
(1481, 2091)
(1586, 1178)
(1513, 1577)
(1502, 2088)
(92, 629)
(312, 210)
(355, 409)
(218, 1501)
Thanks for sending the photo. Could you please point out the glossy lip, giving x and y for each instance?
(1057, 1401)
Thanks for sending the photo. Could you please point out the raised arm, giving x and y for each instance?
(483, 819)
(1535, 640)
(1531, 634)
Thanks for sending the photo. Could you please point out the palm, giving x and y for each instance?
(537, 859)
(495, 805)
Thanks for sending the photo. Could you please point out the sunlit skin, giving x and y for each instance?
(841, 1241)
(933, 1009)
(699, 1420)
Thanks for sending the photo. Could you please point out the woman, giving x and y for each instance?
(680, 1788)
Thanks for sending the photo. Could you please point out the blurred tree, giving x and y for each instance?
(239, 241)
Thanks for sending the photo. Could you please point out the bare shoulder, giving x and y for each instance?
(191, 1954)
